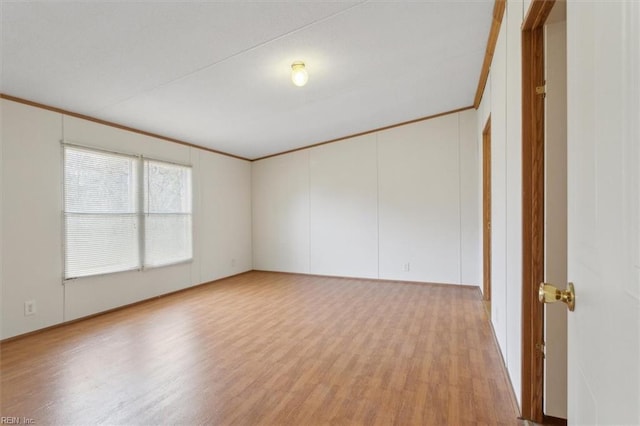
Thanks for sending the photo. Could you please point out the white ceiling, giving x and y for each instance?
(216, 74)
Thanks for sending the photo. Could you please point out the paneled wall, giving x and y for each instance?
(31, 218)
(1, 216)
(280, 201)
(32, 215)
(419, 190)
(400, 204)
(343, 209)
(502, 100)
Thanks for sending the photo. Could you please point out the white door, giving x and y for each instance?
(603, 68)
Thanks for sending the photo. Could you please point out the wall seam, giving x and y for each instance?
(63, 228)
(506, 186)
(309, 207)
(200, 188)
(459, 204)
(378, 203)
(251, 226)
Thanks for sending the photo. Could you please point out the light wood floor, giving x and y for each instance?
(267, 348)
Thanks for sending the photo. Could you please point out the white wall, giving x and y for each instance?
(344, 208)
(419, 190)
(502, 100)
(31, 219)
(32, 231)
(326, 210)
(513, 167)
(280, 203)
(498, 189)
(470, 201)
(1, 211)
(225, 218)
(367, 206)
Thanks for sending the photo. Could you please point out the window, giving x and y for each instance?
(167, 209)
(100, 212)
(118, 219)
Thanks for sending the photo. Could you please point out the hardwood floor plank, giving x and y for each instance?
(268, 348)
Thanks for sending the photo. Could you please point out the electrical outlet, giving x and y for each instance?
(233, 262)
(406, 267)
(29, 308)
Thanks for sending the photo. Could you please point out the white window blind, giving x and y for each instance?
(122, 212)
(100, 212)
(167, 210)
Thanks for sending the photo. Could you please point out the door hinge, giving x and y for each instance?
(540, 347)
(541, 90)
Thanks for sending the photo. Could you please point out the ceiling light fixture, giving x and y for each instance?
(299, 74)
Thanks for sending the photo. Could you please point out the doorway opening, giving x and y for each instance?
(540, 208)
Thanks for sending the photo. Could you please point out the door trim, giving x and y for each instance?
(533, 208)
(486, 211)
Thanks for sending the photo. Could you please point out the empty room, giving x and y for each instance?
(320, 212)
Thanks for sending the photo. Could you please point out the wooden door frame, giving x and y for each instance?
(533, 209)
(486, 211)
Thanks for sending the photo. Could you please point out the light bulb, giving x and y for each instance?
(299, 74)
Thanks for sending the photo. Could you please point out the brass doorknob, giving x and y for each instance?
(547, 293)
